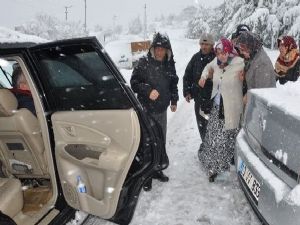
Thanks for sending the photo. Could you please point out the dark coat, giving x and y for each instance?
(292, 74)
(151, 74)
(25, 100)
(192, 76)
(260, 73)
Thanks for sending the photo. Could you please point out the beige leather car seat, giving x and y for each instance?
(11, 196)
(21, 143)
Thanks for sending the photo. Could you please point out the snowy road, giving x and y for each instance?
(188, 198)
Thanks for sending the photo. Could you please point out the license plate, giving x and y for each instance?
(249, 179)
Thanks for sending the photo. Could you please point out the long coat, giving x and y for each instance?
(261, 72)
(230, 85)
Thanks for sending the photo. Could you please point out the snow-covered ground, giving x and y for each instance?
(188, 198)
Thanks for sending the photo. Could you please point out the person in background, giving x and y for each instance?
(241, 28)
(155, 81)
(287, 66)
(260, 72)
(191, 89)
(21, 90)
(218, 146)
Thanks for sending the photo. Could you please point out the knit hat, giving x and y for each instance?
(207, 39)
(287, 41)
(226, 46)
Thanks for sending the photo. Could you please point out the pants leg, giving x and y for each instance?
(201, 121)
(161, 119)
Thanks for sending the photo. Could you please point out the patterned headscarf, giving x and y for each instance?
(287, 41)
(250, 41)
(284, 63)
(226, 46)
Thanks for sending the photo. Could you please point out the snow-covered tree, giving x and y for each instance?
(188, 13)
(269, 18)
(199, 24)
(51, 28)
(197, 27)
(135, 26)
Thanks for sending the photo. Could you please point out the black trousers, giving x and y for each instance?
(161, 119)
(205, 106)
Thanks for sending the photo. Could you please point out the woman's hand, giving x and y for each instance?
(202, 82)
(210, 73)
(245, 99)
(241, 75)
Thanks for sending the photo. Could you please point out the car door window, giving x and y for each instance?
(63, 75)
(76, 77)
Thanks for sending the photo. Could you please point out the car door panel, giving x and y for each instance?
(98, 129)
(99, 146)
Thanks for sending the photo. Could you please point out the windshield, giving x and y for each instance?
(77, 78)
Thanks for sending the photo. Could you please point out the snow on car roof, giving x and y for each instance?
(285, 97)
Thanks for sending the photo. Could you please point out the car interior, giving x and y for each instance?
(98, 145)
(27, 187)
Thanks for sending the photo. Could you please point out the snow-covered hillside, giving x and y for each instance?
(10, 36)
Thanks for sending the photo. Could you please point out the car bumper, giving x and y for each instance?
(277, 203)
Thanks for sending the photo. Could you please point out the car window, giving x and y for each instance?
(77, 78)
(6, 70)
(63, 75)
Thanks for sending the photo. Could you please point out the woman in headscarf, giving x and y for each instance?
(287, 65)
(260, 71)
(217, 149)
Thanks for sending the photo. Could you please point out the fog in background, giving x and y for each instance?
(99, 12)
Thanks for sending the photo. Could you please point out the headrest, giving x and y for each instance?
(8, 102)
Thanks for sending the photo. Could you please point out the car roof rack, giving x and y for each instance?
(9, 45)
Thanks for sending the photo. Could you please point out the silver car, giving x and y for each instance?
(268, 156)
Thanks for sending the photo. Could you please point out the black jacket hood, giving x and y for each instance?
(160, 40)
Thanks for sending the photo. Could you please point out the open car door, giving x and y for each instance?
(104, 147)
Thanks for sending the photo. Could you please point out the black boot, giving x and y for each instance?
(148, 185)
(161, 176)
(212, 176)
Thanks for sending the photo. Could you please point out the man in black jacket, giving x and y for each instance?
(191, 89)
(155, 81)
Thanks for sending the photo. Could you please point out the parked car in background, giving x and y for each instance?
(91, 146)
(268, 156)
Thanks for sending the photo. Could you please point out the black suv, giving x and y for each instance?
(90, 146)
